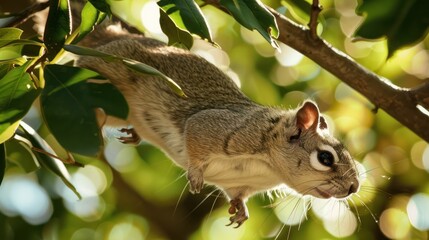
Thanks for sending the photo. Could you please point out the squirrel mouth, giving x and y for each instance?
(322, 193)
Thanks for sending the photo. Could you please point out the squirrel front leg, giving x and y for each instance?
(218, 141)
(205, 133)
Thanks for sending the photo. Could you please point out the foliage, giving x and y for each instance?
(33, 73)
(392, 19)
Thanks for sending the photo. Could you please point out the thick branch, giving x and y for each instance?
(398, 102)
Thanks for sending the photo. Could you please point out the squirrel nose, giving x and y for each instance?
(354, 188)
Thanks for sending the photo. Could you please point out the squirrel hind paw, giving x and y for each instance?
(133, 137)
(239, 209)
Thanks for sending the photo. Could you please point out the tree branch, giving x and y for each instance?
(398, 102)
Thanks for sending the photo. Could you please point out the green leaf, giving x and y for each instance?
(174, 33)
(8, 53)
(299, 9)
(191, 15)
(15, 50)
(252, 14)
(130, 63)
(58, 26)
(17, 93)
(102, 6)
(401, 22)
(8, 35)
(143, 68)
(8, 132)
(4, 69)
(19, 152)
(69, 103)
(2, 162)
(53, 164)
(20, 42)
(89, 18)
(83, 75)
(84, 51)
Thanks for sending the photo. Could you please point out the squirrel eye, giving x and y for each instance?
(323, 159)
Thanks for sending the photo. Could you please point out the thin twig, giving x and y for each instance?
(316, 8)
(72, 162)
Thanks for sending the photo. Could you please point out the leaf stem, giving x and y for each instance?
(74, 163)
(69, 40)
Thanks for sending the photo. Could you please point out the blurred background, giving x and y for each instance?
(138, 193)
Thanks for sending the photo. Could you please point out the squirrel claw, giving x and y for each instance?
(134, 138)
(239, 209)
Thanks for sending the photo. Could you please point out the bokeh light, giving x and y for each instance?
(83, 234)
(292, 209)
(288, 56)
(420, 154)
(125, 230)
(90, 182)
(425, 158)
(217, 230)
(394, 223)
(21, 195)
(337, 218)
(345, 225)
(120, 156)
(417, 210)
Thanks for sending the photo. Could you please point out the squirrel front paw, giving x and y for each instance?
(239, 209)
(196, 180)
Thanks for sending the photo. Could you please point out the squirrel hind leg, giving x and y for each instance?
(132, 138)
(106, 120)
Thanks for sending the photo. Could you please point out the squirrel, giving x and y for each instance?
(217, 134)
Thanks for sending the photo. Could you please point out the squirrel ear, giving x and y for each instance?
(322, 123)
(307, 116)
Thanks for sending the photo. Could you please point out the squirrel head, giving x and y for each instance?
(322, 166)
